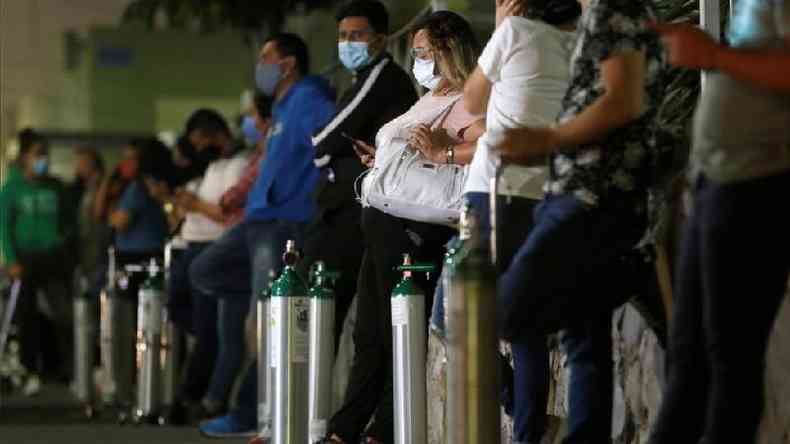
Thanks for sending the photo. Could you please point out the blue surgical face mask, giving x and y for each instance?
(353, 55)
(41, 166)
(267, 76)
(250, 131)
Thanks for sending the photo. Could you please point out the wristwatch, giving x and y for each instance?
(450, 154)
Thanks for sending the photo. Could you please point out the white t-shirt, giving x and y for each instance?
(528, 64)
(219, 177)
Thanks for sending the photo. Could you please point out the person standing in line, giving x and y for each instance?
(520, 80)
(235, 267)
(580, 260)
(218, 352)
(734, 263)
(36, 224)
(381, 91)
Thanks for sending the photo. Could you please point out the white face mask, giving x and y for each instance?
(424, 73)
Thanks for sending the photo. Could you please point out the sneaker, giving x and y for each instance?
(32, 386)
(226, 427)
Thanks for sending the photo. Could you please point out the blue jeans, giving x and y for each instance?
(530, 379)
(234, 269)
(569, 274)
(731, 280)
(198, 315)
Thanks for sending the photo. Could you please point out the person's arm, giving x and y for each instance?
(101, 200)
(623, 76)
(690, 47)
(477, 91)
(6, 229)
(132, 201)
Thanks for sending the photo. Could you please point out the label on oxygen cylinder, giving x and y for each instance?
(275, 308)
(400, 311)
(300, 327)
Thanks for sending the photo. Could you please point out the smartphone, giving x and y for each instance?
(355, 142)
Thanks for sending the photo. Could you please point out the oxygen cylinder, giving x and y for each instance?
(170, 346)
(265, 374)
(149, 332)
(108, 319)
(84, 346)
(472, 378)
(290, 317)
(409, 339)
(322, 350)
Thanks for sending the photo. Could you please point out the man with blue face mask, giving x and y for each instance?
(380, 92)
(36, 222)
(278, 207)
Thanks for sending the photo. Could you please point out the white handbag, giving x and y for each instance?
(403, 183)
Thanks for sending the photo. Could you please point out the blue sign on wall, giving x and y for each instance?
(114, 57)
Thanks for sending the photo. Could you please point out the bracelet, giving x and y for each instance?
(450, 154)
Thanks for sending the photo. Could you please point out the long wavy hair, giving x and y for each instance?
(454, 44)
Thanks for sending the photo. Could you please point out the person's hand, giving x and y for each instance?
(15, 271)
(366, 153)
(157, 189)
(525, 146)
(687, 45)
(508, 8)
(186, 200)
(431, 143)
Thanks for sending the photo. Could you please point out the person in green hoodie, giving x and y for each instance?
(35, 223)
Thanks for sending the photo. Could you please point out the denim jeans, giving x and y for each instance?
(731, 280)
(569, 274)
(197, 315)
(234, 269)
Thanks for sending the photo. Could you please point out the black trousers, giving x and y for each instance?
(49, 273)
(334, 237)
(369, 390)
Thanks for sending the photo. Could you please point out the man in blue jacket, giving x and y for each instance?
(279, 205)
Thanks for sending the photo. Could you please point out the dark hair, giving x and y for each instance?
(93, 155)
(292, 45)
(554, 12)
(155, 159)
(28, 138)
(452, 37)
(207, 120)
(373, 10)
(263, 105)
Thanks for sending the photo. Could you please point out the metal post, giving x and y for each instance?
(439, 5)
(710, 21)
(290, 313)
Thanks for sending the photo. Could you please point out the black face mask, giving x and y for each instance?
(208, 154)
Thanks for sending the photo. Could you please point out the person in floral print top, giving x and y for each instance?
(579, 261)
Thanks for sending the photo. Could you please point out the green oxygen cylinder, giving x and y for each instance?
(148, 345)
(290, 349)
(265, 373)
(472, 378)
(409, 338)
(322, 350)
